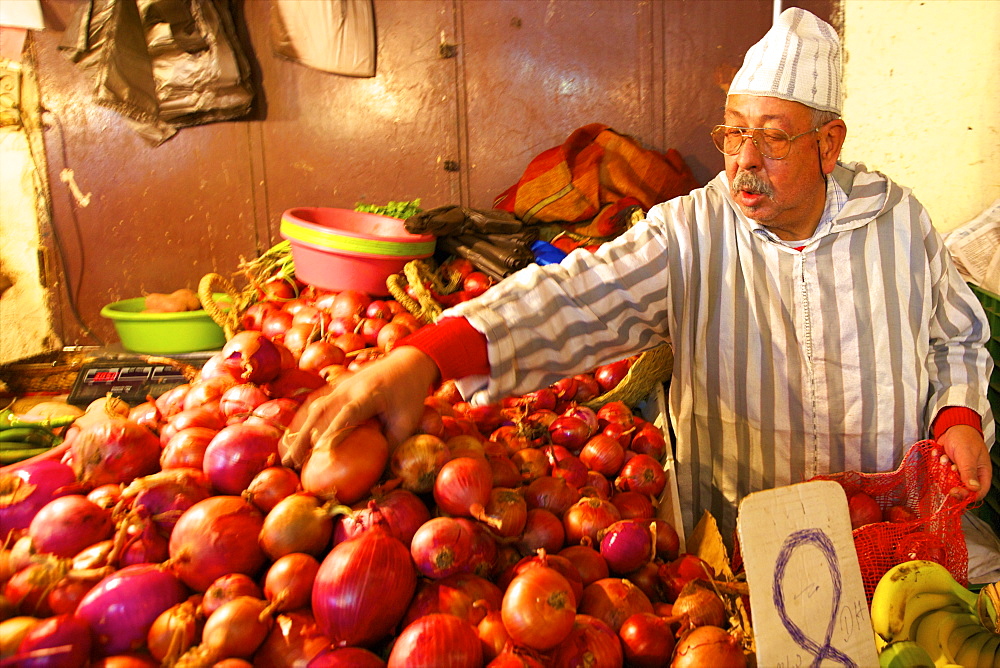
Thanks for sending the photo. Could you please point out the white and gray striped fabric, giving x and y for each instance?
(799, 59)
(787, 364)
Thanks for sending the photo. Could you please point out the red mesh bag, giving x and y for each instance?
(921, 483)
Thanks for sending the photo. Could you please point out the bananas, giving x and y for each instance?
(919, 602)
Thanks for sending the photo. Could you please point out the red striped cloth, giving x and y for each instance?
(596, 174)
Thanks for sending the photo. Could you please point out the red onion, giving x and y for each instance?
(492, 634)
(206, 415)
(587, 387)
(144, 543)
(647, 640)
(346, 657)
(433, 596)
(106, 496)
(570, 432)
(506, 512)
(402, 513)
(505, 473)
(567, 466)
(62, 640)
(603, 454)
(165, 495)
(363, 588)
(122, 607)
(418, 460)
(207, 391)
(226, 588)
(564, 566)
(28, 588)
(25, 489)
(478, 588)
(648, 439)
(277, 412)
(626, 545)
(67, 594)
(542, 530)
(709, 646)
(538, 608)
(485, 549)
(112, 451)
(300, 522)
(613, 600)
(294, 383)
(597, 485)
(586, 518)
(237, 454)
(186, 448)
(510, 438)
(234, 631)
(216, 366)
(609, 376)
(68, 524)
(318, 355)
(551, 493)
(668, 543)
(288, 583)
(588, 561)
(171, 402)
(677, 573)
(294, 639)
(174, 631)
(441, 547)
(590, 643)
(252, 356)
(531, 463)
(487, 418)
(633, 505)
(647, 578)
(270, 486)
(642, 474)
(239, 401)
(437, 641)
(461, 483)
(615, 412)
(214, 537)
(700, 606)
(346, 465)
(147, 415)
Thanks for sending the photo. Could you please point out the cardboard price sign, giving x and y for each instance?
(806, 594)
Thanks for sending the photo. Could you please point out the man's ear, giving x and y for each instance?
(831, 141)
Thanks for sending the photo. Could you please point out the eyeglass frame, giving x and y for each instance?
(750, 136)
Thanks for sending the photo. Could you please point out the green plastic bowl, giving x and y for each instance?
(164, 333)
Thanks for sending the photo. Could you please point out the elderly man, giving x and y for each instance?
(817, 321)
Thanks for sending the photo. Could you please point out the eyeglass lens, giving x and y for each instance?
(771, 142)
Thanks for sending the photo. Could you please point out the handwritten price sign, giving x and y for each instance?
(808, 601)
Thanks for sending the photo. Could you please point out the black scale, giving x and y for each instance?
(131, 379)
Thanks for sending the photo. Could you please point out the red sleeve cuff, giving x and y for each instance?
(949, 416)
(456, 347)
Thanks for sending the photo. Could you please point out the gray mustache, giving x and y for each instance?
(752, 183)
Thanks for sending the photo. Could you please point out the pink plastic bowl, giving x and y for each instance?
(341, 249)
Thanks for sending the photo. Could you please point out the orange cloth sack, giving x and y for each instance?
(596, 173)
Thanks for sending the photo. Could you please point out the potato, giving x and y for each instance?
(177, 301)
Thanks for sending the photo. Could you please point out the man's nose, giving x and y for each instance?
(749, 156)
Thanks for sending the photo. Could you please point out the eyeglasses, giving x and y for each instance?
(772, 143)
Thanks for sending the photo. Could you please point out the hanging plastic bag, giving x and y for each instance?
(336, 36)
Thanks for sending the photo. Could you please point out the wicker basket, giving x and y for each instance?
(652, 368)
(52, 373)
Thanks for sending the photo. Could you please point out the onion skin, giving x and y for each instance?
(226, 588)
(300, 522)
(186, 448)
(288, 583)
(401, 512)
(591, 643)
(25, 489)
(708, 646)
(442, 546)
(165, 495)
(271, 486)
(462, 483)
(174, 632)
(214, 537)
(252, 356)
(699, 605)
(363, 588)
(437, 641)
(613, 600)
(417, 460)
(294, 640)
(122, 607)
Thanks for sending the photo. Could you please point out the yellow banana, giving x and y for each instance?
(910, 589)
(988, 657)
(968, 653)
(932, 629)
(904, 654)
(958, 638)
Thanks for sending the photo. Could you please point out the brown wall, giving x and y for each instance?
(526, 74)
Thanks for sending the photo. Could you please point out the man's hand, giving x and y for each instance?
(965, 447)
(391, 389)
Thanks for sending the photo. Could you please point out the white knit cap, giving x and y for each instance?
(798, 59)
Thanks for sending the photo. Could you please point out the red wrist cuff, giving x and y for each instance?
(949, 416)
(456, 347)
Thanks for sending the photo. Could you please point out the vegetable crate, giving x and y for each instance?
(989, 511)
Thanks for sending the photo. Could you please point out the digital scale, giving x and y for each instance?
(130, 378)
